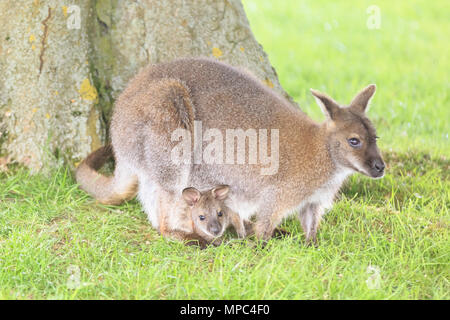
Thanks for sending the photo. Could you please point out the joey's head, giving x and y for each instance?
(351, 136)
(207, 210)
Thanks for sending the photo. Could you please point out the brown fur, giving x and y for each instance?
(315, 158)
(181, 220)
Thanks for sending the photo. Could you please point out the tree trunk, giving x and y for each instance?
(62, 67)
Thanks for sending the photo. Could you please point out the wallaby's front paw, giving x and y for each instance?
(201, 244)
(217, 242)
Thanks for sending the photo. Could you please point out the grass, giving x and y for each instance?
(384, 239)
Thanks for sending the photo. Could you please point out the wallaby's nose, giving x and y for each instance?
(378, 165)
(215, 230)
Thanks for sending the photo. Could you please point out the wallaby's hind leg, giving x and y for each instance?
(148, 195)
(266, 224)
(237, 223)
(310, 218)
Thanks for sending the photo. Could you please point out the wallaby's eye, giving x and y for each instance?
(354, 142)
(201, 217)
(220, 213)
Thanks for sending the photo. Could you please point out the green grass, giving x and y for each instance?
(326, 45)
(51, 232)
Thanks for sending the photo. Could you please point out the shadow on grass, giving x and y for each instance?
(412, 175)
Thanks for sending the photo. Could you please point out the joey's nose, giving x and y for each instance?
(215, 230)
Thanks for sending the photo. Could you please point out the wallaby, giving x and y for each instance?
(313, 158)
(203, 217)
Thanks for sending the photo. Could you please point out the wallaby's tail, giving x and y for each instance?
(105, 189)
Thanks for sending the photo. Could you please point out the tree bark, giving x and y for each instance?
(62, 67)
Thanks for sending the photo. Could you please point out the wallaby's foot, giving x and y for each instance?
(312, 241)
(280, 233)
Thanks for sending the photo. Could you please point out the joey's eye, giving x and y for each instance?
(201, 217)
(354, 142)
(220, 213)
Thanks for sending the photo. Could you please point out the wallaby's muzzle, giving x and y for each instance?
(215, 228)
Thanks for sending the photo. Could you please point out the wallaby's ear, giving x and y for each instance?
(329, 107)
(360, 103)
(191, 196)
(220, 192)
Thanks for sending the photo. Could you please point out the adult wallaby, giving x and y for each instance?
(313, 159)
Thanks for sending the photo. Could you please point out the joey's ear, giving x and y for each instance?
(329, 107)
(360, 103)
(220, 192)
(191, 196)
